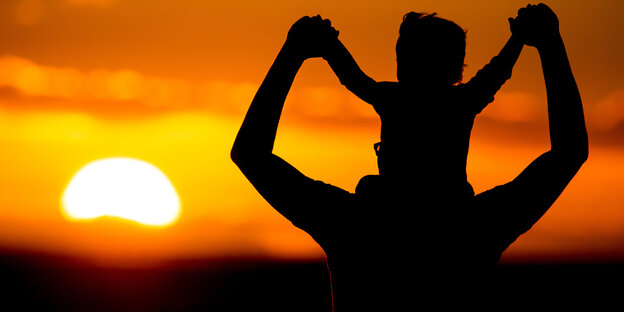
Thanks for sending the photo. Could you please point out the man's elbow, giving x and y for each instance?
(572, 157)
(581, 152)
(239, 152)
(579, 158)
(240, 156)
(582, 155)
(235, 155)
(247, 157)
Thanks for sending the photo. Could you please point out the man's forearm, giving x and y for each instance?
(568, 134)
(257, 133)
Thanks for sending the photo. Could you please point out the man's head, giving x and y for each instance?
(430, 50)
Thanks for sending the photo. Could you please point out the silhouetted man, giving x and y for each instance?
(391, 245)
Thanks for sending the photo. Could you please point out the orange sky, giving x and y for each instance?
(169, 82)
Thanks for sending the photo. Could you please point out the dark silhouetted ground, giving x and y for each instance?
(37, 282)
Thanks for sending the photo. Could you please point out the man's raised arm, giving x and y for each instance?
(297, 197)
(536, 189)
(568, 134)
(548, 175)
(256, 136)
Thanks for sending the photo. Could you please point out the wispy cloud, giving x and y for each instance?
(515, 107)
(145, 92)
(97, 3)
(608, 112)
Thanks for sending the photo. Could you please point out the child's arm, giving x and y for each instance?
(484, 85)
(351, 76)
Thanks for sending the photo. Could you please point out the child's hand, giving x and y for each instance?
(535, 25)
(311, 37)
(516, 29)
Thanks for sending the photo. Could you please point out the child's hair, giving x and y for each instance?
(430, 45)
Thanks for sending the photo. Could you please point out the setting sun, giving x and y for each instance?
(120, 187)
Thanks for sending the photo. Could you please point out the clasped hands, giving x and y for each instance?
(311, 37)
(535, 25)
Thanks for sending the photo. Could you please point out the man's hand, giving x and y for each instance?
(310, 37)
(535, 25)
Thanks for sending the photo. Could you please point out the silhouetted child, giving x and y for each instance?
(427, 116)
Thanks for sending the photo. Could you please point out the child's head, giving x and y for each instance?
(430, 50)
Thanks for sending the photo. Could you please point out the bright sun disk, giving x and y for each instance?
(121, 187)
